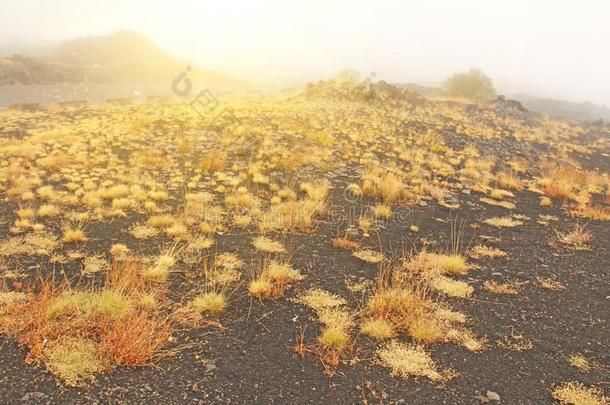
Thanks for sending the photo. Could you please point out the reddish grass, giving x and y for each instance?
(135, 340)
(344, 243)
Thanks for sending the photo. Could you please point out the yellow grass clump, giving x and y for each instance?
(573, 392)
(409, 361)
(378, 329)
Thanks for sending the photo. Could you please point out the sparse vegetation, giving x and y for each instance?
(141, 222)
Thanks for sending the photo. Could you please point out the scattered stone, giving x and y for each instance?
(492, 396)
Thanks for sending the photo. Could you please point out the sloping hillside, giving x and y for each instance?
(119, 57)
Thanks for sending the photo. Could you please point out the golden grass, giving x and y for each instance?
(369, 256)
(508, 288)
(408, 361)
(467, 339)
(48, 211)
(580, 362)
(292, 216)
(261, 288)
(94, 264)
(365, 223)
(213, 161)
(480, 251)
(383, 211)
(504, 204)
(213, 303)
(318, 299)
(74, 235)
(578, 238)
(453, 288)
(160, 221)
(426, 330)
(140, 231)
(545, 202)
(37, 244)
(573, 392)
(596, 213)
(281, 273)
(378, 329)
(11, 297)
(72, 173)
(333, 338)
(344, 243)
(503, 222)
(450, 263)
(267, 245)
(161, 267)
(550, 284)
(382, 184)
(119, 250)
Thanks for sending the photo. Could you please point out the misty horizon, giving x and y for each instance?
(549, 52)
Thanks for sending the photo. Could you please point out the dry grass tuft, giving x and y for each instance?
(426, 330)
(73, 360)
(37, 244)
(378, 329)
(344, 243)
(515, 342)
(594, 212)
(578, 238)
(453, 288)
(576, 393)
(94, 264)
(140, 231)
(333, 338)
(504, 204)
(267, 245)
(74, 235)
(503, 222)
(408, 361)
(369, 256)
(580, 362)
(119, 250)
(213, 303)
(159, 271)
(318, 299)
(510, 287)
(383, 211)
(550, 284)
(261, 288)
(480, 251)
(9, 298)
(467, 339)
(449, 263)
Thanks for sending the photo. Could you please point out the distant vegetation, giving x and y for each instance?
(474, 85)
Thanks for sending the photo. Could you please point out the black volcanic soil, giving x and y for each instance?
(251, 359)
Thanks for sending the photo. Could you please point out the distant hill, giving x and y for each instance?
(120, 57)
(586, 111)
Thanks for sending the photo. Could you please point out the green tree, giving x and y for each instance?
(474, 85)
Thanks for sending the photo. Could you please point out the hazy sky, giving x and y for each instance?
(551, 48)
